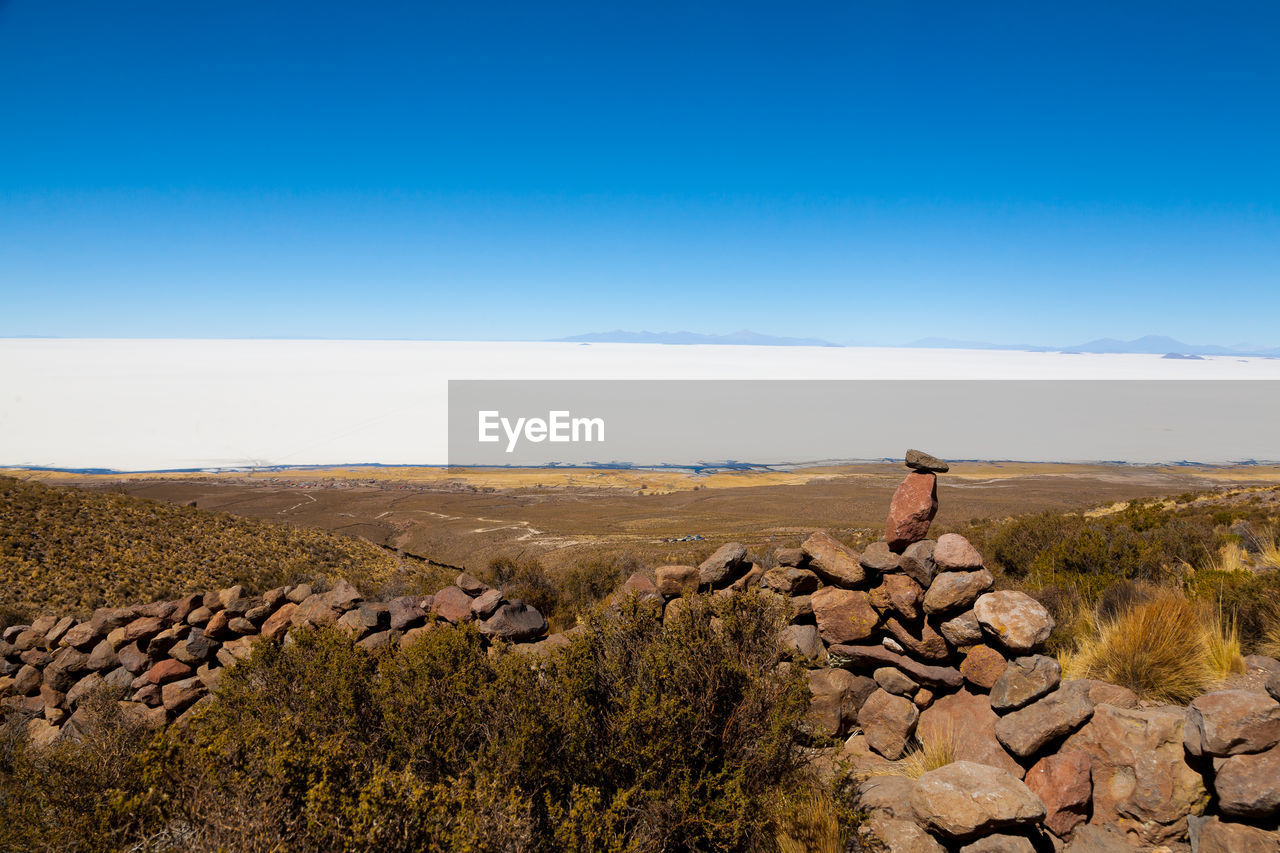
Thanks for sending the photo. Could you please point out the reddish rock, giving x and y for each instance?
(84, 636)
(83, 688)
(967, 721)
(955, 553)
(1231, 722)
(895, 681)
(1062, 782)
(900, 835)
(833, 561)
(143, 628)
(962, 630)
(219, 626)
(133, 658)
(452, 604)
(983, 666)
(904, 595)
(278, 623)
(843, 615)
(912, 510)
(168, 670)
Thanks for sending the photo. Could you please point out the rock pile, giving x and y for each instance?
(908, 646)
(166, 656)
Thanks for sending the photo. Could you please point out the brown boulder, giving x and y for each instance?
(918, 460)
(869, 657)
(452, 604)
(470, 584)
(1025, 731)
(877, 557)
(1142, 785)
(843, 615)
(515, 622)
(791, 581)
(801, 642)
(902, 595)
(1017, 620)
(968, 723)
(963, 800)
(983, 666)
(789, 557)
(1231, 722)
(833, 561)
(956, 590)
(1063, 784)
(888, 721)
(962, 630)
(177, 696)
(881, 832)
(929, 644)
(835, 698)
(676, 580)
(406, 611)
(277, 623)
(955, 553)
(917, 562)
(1248, 786)
(912, 510)
(486, 603)
(1025, 680)
(1000, 843)
(722, 567)
(1218, 836)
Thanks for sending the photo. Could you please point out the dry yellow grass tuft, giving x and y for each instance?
(812, 824)
(1230, 558)
(1267, 544)
(1166, 648)
(936, 749)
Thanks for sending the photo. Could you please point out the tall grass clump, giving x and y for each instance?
(813, 822)
(1164, 648)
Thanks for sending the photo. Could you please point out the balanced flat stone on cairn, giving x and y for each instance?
(915, 503)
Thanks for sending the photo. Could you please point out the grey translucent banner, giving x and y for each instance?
(696, 422)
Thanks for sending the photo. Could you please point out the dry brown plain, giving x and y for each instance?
(465, 517)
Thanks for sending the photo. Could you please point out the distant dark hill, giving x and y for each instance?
(739, 338)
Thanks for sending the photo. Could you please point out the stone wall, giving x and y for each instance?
(166, 657)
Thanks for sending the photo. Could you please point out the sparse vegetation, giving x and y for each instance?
(636, 737)
(69, 550)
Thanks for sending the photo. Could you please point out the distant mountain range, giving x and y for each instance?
(1148, 345)
(739, 338)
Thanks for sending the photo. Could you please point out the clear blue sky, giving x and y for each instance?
(862, 172)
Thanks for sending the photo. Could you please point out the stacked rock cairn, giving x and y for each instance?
(908, 648)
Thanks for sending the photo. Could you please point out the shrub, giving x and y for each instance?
(638, 736)
(1165, 648)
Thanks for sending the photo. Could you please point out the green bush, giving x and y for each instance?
(635, 737)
